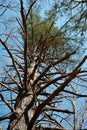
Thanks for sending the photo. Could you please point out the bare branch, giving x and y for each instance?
(12, 78)
(5, 101)
(8, 88)
(19, 23)
(82, 120)
(30, 8)
(13, 60)
(73, 93)
(81, 63)
(4, 118)
(58, 110)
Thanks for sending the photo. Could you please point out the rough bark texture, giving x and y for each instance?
(24, 112)
(20, 119)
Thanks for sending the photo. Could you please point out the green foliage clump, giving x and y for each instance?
(39, 29)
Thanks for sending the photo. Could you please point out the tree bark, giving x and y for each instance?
(21, 118)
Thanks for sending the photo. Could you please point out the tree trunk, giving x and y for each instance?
(20, 120)
(24, 113)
